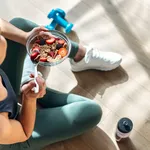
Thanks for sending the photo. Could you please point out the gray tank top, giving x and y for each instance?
(9, 104)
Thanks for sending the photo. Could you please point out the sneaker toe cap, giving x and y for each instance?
(116, 58)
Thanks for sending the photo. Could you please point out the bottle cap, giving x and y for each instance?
(125, 125)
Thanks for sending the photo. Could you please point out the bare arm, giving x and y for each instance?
(10, 32)
(13, 33)
(13, 131)
(27, 115)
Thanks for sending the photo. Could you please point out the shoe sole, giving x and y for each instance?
(88, 68)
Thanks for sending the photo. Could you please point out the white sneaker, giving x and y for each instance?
(95, 59)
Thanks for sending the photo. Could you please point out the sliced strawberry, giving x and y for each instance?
(63, 52)
(51, 54)
(35, 48)
(34, 55)
(35, 45)
(36, 51)
(37, 41)
(43, 59)
(50, 41)
(55, 37)
(61, 42)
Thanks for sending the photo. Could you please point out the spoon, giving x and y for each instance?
(35, 63)
(36, 88)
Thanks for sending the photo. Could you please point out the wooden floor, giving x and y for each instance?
(111, 25)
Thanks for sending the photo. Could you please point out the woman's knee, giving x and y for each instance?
(17, 19)
(90, 114)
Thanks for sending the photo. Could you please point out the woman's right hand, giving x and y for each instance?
(29, 94)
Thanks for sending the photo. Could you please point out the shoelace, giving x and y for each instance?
(95, 53)
(92, 53)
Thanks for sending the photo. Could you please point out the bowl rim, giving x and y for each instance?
(53, 32)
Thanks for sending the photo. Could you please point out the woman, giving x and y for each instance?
(63, 115)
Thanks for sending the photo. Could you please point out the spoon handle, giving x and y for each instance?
(36, 88)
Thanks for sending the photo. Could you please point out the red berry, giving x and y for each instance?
(35, 48)
(34, 55)
(37, 41)
(36, 51)
(61, 41)
(56, 38)
(51, 54)
(43, 59)
(50, 41)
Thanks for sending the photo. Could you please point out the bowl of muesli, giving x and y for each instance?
(48, 48)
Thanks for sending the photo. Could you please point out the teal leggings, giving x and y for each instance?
(63, 115)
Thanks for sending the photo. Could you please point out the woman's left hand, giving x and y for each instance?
(35, 30)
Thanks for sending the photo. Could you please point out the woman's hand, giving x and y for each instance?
(37, 30)
(29, 94)
(13, 33)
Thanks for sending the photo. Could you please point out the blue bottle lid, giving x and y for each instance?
(125, 125)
